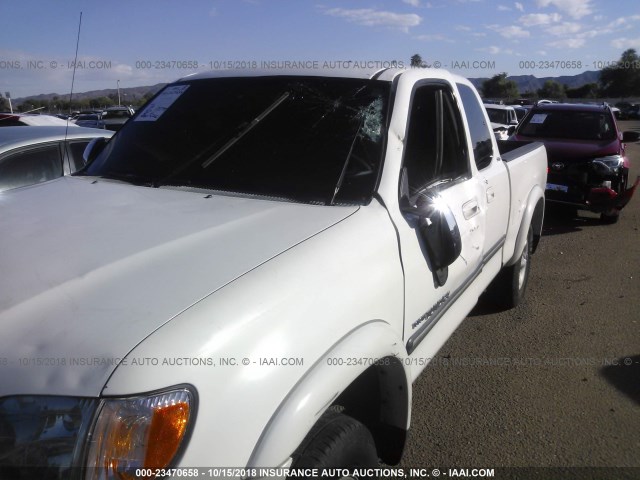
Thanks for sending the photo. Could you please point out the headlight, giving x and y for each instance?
(608, 165)
(60, 437)
(39, 435)
(611, 161)
(141, 432)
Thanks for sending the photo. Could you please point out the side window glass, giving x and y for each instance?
(435, 149)
(454, 146)
(420, 149)
(75, 151)
(28, 167)
(478, 128)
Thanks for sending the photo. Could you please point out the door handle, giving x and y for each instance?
(470, 209)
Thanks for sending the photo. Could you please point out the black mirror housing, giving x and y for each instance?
(93, 149)
(630, 136)
(441, 237)
(438, 229)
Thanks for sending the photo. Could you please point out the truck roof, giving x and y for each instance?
(383, 74)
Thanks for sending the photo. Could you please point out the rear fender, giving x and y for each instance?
(326, 380)
(533, 215)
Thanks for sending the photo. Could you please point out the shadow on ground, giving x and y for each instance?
(559, 220)
(625, 376)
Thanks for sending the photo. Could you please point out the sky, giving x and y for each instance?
(134, 43)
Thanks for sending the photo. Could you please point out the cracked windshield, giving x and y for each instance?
(302, 139)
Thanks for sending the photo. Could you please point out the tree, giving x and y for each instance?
(588, 90)
(32, 105)
(416, 61)
(4, 104)
(100, 102)
(622, 79)
(552, 89)
(499, 87)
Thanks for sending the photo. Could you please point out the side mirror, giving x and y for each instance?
(630, 136)
(511, 129)
(93, 149)
(438, 229)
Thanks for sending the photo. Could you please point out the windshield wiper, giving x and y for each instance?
(343, 172)
(246, 130)
(225, 147)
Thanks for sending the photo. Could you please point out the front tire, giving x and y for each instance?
(337, 441)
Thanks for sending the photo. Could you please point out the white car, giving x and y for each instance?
(255, 284)
(503, 120)
(38, 154)
(26, 119)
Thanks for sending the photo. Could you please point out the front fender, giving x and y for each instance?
(315, 299)
(373, 343)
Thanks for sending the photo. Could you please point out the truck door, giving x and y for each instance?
(436, 167)
(493, 177)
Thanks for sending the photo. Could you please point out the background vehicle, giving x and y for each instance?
(260, 280)
(617, 113)
(37, 154)
(631, 113)
(90, 120)
(115, 117)
(588, 168)
(503, 120)
(521, 111)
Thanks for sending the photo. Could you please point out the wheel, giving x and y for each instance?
(337, 441)
(609, 219)
(509, 286)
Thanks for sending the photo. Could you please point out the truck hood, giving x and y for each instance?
(90, 269)
(575, 150)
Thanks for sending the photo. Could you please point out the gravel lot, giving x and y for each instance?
(560, 402)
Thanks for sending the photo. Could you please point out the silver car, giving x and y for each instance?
(30, 155)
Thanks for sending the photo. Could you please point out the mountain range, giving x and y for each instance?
(529, 83)
(526, 83)
(130, 93)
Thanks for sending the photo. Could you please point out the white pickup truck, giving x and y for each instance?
(252, 272)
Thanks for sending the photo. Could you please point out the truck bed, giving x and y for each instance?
(511, 149)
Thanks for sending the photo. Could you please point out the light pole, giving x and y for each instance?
(8, 95)
(118, 92)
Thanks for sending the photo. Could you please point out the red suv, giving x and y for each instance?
(587, 168)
